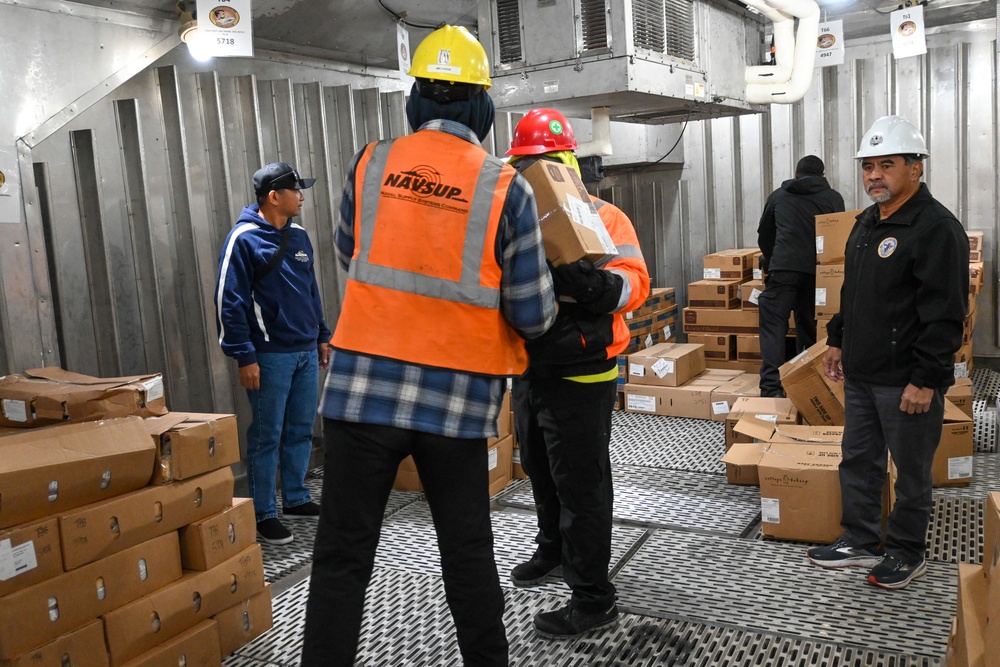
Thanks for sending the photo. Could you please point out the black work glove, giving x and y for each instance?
(595, 289)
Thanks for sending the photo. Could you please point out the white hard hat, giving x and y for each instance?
(892, 135)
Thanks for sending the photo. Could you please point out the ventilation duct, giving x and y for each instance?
(647, 61)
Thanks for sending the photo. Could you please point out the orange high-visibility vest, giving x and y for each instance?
(424, 282)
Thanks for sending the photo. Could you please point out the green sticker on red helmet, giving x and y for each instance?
(555, 127)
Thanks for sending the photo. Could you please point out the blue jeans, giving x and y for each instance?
(284, 409)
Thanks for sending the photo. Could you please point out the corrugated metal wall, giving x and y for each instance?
(731, 164)
(127, 202)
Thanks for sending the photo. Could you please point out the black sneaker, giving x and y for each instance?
(533, 571)
(309, 510)
(893, 573)
(842, 554)
(272, 532)
(571, 622)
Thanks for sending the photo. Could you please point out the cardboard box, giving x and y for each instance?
(503, 420)
(208, 542)
(991, 539)
(749, 294)
(407, 477)
(832, 231)
(745, 367)
(761, 430)
(659, 298)
(98, 530)
(244, 622)
(83, 647)
(971, 617)
(818, 399)
(829, 281)
(800, 492)
(571, 227)
(953, 458)
(197, 646)
(724, 294)
(499, 464)
(46, 396)
(189, 444)
(46, 471)
(691, 400)
(735, 264)
(516, 469)
(32, 617)
(774, 410)
(975, 246)
(748, 348)
(717, 346)
(697, 320)
(976, 277)
(666, 364)
(741, 462)
(195, 597)
(29, 554)
(726, 394)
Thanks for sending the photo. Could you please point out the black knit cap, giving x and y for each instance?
(810, 165)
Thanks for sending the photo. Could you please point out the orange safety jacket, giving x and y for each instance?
(424, 281)
(585, 343)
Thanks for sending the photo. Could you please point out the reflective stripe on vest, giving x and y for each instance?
(467, 290)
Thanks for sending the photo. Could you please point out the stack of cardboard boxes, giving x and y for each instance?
(120, 540)
(722, 310)
(652, 323)
(975, 633)
(832, 231)
(963, 358)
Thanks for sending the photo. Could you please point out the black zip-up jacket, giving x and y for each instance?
(786, 234)
(905, 295)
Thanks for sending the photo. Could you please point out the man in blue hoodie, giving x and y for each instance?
(787, 239)
(270, 320)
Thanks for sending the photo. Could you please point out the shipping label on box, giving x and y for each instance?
(571, 227)
(36, 615)
(208, 542)
(101, 529)
(50, 470)
(190, 444)
(29, 554)
(750, 294)
(128, 629)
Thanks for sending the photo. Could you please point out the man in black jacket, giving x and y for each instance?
(787, 240)
(906, 285)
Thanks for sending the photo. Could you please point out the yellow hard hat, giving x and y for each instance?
(451, 54)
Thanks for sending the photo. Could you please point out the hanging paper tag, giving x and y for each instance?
(830, 44)
(403, 48)
(225, 28)
(907, 28)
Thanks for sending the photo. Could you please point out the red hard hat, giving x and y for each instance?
(542, 131)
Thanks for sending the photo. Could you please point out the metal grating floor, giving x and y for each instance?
(984, 428)
(661, 497)
(985, 384)
(695, 587)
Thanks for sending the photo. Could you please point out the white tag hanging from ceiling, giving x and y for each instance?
(403, 48)
(225, 28)
(830, 44)
(908, 38)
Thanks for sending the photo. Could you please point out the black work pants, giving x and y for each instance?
(785, 292)
(359, 468)
(874, 423)
(564, 431)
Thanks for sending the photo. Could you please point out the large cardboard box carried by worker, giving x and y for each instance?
(46, 396)
(818, 399)
(571, 227)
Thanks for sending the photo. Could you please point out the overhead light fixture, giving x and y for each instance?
(189, 34)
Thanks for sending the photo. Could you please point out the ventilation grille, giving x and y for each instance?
(664, 26)
(594, 16)
(509, 31)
